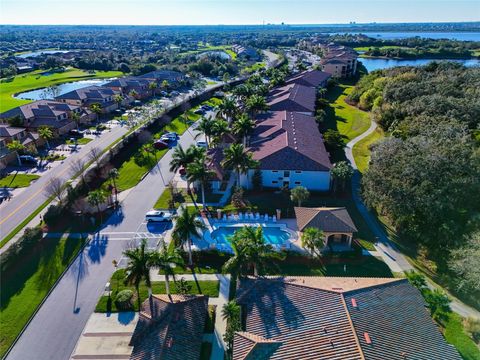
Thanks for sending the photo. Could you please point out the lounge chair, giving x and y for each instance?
(257, 216)
(224, 217)
(274, 218)
(240, 216)
(265, 217)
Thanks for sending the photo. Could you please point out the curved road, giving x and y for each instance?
(389, 252)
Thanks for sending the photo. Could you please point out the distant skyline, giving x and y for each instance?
(235, 12)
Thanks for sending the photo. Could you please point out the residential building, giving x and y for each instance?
(128, 85)
(174, 78)
(293, 97)
(335, 222)
(10, 133)
(333, 318)
(246, 52)
(290, 151)
(89, 95)
(339, 61)
(54, 114)
(170, 330)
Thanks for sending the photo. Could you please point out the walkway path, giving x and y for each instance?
(390, 254)
(219, 346)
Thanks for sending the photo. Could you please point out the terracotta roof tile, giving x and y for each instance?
(327, 219)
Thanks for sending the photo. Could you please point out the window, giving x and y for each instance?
(298, 183)
(286, 183)
(286, 173)
(280, 178)
(274, 171)
(298, 172)
(274, 182)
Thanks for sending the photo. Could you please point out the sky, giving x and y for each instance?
(229, 12)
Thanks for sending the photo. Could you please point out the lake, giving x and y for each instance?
(215, 53)
(41, 52)
(376, 64)
(51, 92)
(463, 36)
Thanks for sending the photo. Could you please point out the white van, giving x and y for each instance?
(158, 216)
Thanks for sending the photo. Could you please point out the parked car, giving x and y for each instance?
(199, 111)
(171, 135)
(28, 159)
(158, 216)
(159, 144)
(202, 144)
(75, 133)
(174, 93)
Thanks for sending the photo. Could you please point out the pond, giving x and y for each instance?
(41, 52)
(372, 64)
(56, 90)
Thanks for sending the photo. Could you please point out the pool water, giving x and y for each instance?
(272, 235)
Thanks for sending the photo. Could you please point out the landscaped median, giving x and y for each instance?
(17, 180)
(107, 303)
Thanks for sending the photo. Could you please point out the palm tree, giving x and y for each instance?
(76, 118)
(250, 252)
(165, 85)
(235, 158)
(16, 146)
(219, 129)
(243, 126)
(163, 260)
(97, 109)
(181, 158)
(133, 94)
(95, 198)
(138, 268)
(256, 104)
(341, 172)
(231, 311)
(113, 174)
(322, 92)
(243, 92)
(227, 109)
(152, 86)
(313, 239)
(299, 194)
(186, 226)
(198, 171)
(117, 98)
(206, 126)
(46, 134)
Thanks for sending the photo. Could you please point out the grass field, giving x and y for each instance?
(210, 288)
(23, 288)
(367, 48)
(455, 335)
(35, 80)
(361, 151)
(18, 180)
(349, 120)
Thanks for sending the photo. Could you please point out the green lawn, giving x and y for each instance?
(361, 151)
(268, 201)
(349, 120)
(17, 180)
(455, 335)
(35, 80)
(210, 288)
(367, 48)
(80, 141)
(23, 288)
(162, 201)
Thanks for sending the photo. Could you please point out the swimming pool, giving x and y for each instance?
(272, 235)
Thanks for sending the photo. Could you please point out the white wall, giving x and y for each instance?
(312, 180)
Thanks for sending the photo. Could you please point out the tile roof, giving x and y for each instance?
(173, 330)
(311, 78)
(293, 98)
(40, 108)
(90, 92)
(307, 320)
(251, 346)
(335, 219)
(285, 140)
(161, 75)
(9, 131)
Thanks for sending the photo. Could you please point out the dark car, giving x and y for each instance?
(75, 133)
(28, 160)
(159, 144)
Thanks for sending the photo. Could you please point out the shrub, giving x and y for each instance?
(472, 326)
(123, 300)
(53, 214)
(333, 139)
(18, 249)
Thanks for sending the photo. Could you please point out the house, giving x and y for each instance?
(11, 133)
(125, 86)
(293, 97)
(89, 95)
(333, 318)
(170, 330)
(54, 114)
(290, 151)
(173, 78)
(310, 78)
(335, 222)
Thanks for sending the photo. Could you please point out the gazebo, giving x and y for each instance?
(335, 222)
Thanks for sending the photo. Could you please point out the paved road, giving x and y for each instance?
(13, 212)
(389, 252)
(55, 329)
